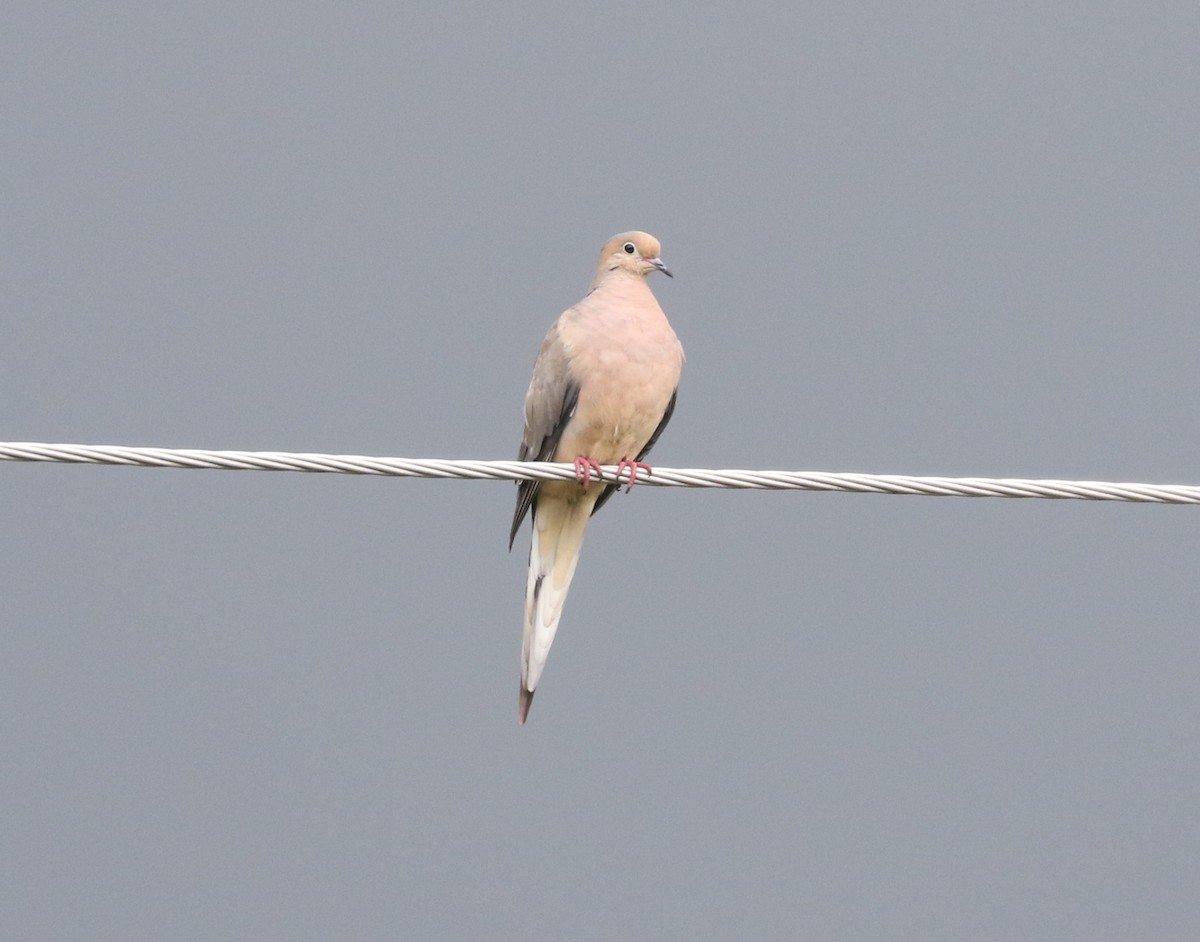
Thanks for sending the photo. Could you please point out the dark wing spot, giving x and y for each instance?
(527, 490)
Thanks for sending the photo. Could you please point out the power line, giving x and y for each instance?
(541, 471)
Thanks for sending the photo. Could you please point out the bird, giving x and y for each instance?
(603, 389)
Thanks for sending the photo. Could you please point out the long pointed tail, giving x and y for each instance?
(558, 527)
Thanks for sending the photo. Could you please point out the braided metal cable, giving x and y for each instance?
(661, 477)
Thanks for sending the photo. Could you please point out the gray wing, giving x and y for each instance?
(549, 404)
(662, 424)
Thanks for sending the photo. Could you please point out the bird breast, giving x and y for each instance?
(626, 379)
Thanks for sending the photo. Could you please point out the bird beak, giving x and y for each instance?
(658, 263)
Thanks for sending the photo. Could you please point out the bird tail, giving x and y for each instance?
(558, 527)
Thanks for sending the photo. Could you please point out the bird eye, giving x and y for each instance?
(629, 248)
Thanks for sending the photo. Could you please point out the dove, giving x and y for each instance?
(603, 389)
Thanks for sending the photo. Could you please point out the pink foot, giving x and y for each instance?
(583, 470)
(633, 467)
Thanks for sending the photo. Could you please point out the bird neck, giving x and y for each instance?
(616, 278)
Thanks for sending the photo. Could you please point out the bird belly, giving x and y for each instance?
(615, 428)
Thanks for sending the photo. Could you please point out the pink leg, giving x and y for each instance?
(583, 470)
(633, 467)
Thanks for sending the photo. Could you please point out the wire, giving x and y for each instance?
(543, 471)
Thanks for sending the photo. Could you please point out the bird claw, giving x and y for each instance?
(633, 467)
(583, 470)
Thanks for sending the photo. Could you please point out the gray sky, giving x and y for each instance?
(962, 239)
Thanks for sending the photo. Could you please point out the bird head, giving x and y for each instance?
(634, 252)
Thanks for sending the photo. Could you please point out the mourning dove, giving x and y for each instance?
(603, 389)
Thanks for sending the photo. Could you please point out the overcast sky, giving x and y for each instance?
(957, 240)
